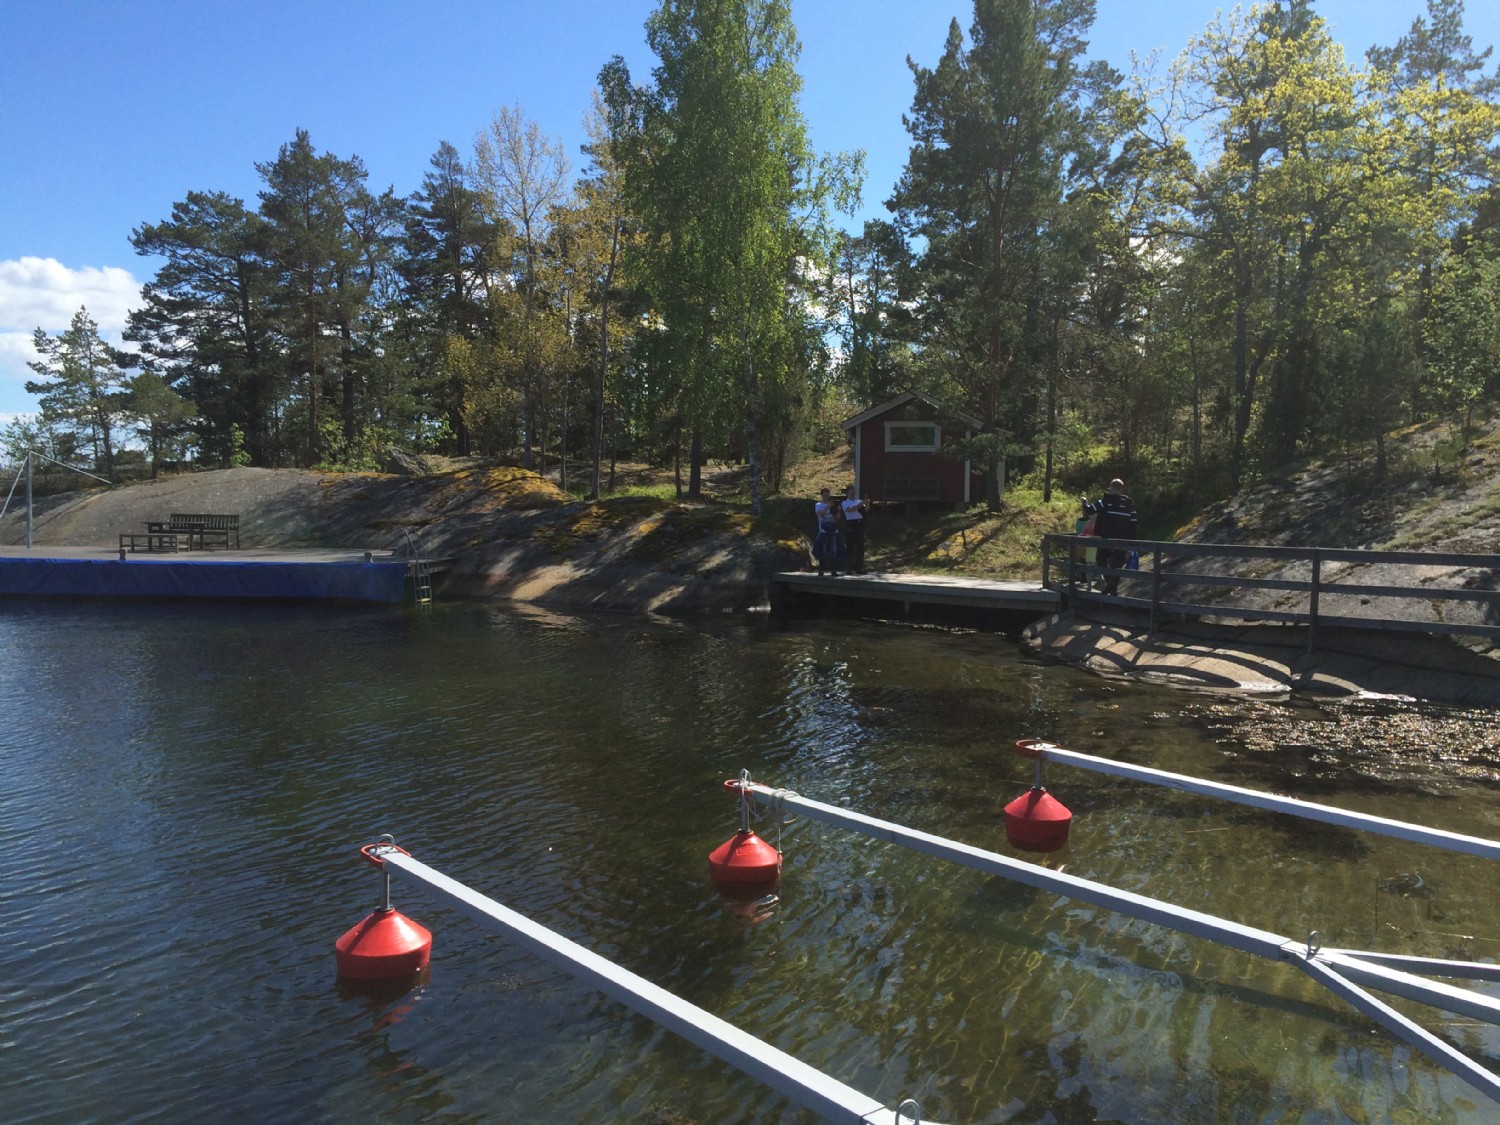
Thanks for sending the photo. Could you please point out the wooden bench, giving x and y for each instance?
(203, 531)
(134, 541)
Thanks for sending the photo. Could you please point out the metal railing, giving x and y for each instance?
(419, 564)
(1206, 580)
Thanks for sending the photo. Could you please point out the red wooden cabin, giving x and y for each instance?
(898, 451)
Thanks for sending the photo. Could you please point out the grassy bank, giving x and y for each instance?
(910, 538)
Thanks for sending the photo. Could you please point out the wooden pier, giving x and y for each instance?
(918, 593)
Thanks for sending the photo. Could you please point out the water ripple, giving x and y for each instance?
(183, 829)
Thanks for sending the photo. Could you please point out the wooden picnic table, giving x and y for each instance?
(154, 539)
(199, 534)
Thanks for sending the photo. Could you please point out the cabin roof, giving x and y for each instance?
(905, 397)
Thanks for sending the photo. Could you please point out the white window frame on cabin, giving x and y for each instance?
(904, 447)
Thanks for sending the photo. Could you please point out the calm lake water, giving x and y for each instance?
(183, 791)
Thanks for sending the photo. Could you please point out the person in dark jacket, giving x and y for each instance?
(1115, 519)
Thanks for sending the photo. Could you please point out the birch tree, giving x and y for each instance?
(733, 201)
(523, 174)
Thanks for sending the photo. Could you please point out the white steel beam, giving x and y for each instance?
(1426, 966)
(1323, 966)
(830, 1099)
(1247, 939)
(1413, 833)
(1417, 1036)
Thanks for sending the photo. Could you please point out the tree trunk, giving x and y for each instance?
(677, 462)
(346, 405)
(752, 423)
(256, 443)
(695, 466)
(1195, 489)
(1241, 394)
(1051, 412)
(528, 428)
(994, 482)
(312, 413)
(609, 275)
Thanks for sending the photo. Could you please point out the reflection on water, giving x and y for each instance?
(183, 792)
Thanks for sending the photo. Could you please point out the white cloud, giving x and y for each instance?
(43, 293)
(16, 351)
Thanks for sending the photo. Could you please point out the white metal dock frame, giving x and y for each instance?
(1346, 972)
(830, 1099)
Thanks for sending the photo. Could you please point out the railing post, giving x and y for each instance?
(1312, 598)
(1155, 584)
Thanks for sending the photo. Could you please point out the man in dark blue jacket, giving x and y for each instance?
(1115, 520)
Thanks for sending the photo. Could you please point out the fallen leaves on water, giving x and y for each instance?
(1380, 739)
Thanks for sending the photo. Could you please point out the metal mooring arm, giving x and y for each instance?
(810, 1088)
(1333, 968)
(1255, 798)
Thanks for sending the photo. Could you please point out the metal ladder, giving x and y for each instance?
(421, 567)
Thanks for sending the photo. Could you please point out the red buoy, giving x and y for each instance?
(744, 860)
(385, 945)
(1036, 821)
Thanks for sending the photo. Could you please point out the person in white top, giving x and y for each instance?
(854, 529)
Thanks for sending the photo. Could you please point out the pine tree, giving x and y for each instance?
(81, 386)
(999, 128)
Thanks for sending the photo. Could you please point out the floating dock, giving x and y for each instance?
(287, 574)
(925, 591)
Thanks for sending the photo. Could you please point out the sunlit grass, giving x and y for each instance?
(976, 542)
(665, 491)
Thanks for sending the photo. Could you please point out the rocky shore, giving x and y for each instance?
(507, 533)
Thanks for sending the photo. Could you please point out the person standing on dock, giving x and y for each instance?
(1082, 526)
(828, 546)
(854, 529)
(1115, 519)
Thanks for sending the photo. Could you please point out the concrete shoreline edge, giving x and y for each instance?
(1271, 660)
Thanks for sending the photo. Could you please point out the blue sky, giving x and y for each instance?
(112, 110)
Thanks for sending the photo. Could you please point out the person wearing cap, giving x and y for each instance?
(1116, 519)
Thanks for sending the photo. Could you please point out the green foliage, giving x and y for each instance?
(653, 491)
(205, 324)
(1262, 253)
(1003, 133)
(732, 203)
(239, 456)
(356, 454)
(22, 434)
(82, 386)
(448, 249)
(1462, 333)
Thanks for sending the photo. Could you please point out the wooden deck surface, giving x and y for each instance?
(249, 555)
(256, 554)
(926, 589)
